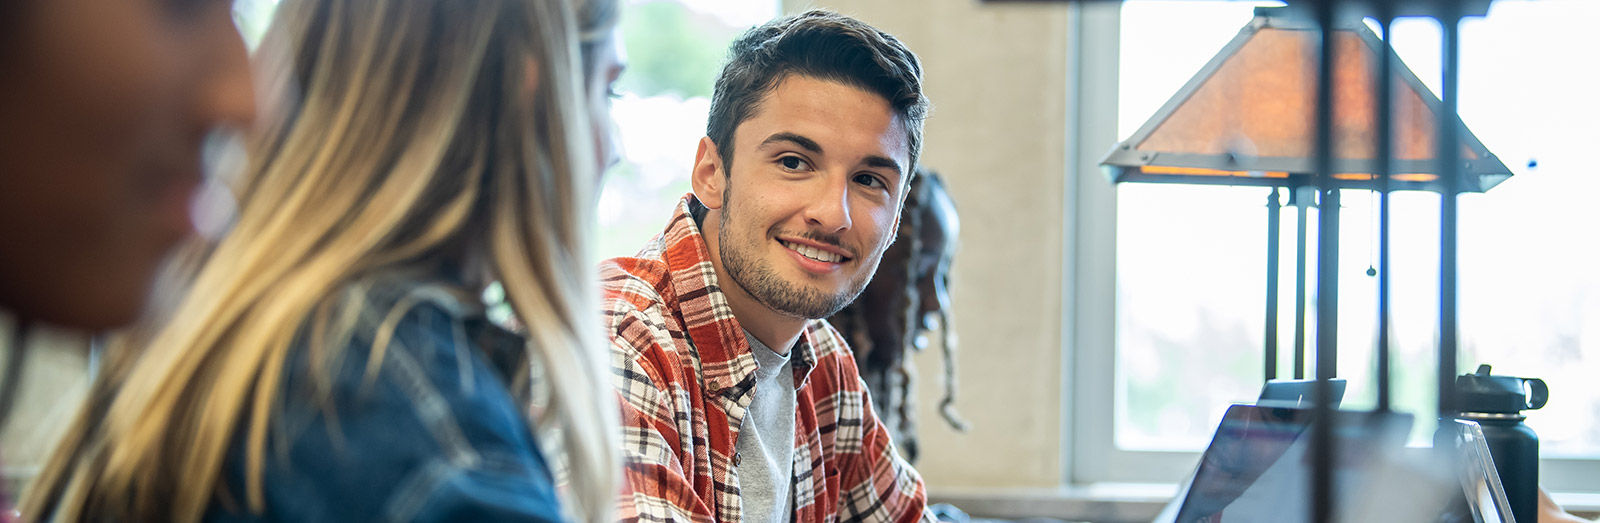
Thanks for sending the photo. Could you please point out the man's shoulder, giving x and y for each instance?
(634, 283)
(637, 302)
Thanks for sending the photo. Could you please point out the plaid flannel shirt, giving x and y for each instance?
(685, 376)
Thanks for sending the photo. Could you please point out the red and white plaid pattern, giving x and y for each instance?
(684, 375)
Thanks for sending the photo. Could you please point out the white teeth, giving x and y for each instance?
(813, 252)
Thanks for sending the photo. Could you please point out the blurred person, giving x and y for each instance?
(104, 106)
(103, 110)
(332, 360)
(739, 403)
(907, 298)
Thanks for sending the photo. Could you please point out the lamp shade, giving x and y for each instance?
(1249, 117)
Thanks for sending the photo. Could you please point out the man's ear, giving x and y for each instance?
(708, 179)
(895, 235)
(900, 210)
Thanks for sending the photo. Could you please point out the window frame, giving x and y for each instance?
(1089, 293)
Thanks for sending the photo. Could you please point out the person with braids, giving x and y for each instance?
(332, 358)
(739, 403)
(907, 298)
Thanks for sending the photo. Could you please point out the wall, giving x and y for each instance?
(997, 76)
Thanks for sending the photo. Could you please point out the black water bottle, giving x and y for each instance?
(1496, 403)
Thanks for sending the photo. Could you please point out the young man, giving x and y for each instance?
(739, 403)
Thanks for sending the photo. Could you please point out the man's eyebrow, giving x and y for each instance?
(804, 143)
(873, 160)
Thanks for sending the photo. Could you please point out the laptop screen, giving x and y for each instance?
(1298, 393)
(1257, 468)
(1483, 498)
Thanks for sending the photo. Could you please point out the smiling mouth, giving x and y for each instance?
(814, 253)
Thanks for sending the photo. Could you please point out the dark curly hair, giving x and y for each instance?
(822, 45)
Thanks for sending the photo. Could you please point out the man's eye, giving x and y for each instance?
(869, 181)
(792, 162)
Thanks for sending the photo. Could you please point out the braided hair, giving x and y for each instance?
(902, 304)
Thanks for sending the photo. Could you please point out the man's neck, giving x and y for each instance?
(775, 330)
(779, 337)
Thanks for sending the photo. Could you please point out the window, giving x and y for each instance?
(1182, 322)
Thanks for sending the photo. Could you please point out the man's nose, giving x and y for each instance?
(829, 210)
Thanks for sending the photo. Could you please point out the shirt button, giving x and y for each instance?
(714, 387)
(736, 459)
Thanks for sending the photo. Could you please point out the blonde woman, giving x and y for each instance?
(332, 360)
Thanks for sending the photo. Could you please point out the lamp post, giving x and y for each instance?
(1378, 136)
(1250, 117)
(1317, 100)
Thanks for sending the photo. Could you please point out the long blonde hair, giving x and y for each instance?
(401, 135)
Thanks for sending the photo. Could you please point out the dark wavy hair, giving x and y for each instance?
(822, 45)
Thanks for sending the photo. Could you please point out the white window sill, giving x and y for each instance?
(1122, 502)
(1096, 503)
(1586, 504)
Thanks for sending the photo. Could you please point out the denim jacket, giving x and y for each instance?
(433, 435)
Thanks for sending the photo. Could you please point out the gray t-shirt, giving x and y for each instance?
(766, 439)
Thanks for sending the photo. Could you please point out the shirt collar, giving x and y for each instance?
(727, 364)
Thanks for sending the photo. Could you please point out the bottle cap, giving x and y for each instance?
(1484, 392)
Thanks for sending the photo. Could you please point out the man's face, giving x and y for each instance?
(104, 105)
(813, 199)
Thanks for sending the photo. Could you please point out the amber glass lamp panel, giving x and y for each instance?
(1260, 103)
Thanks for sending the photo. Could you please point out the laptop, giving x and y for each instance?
(1483, 497)
(1297, 393)
(1257, 469)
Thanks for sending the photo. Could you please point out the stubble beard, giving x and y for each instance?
(741, 261)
